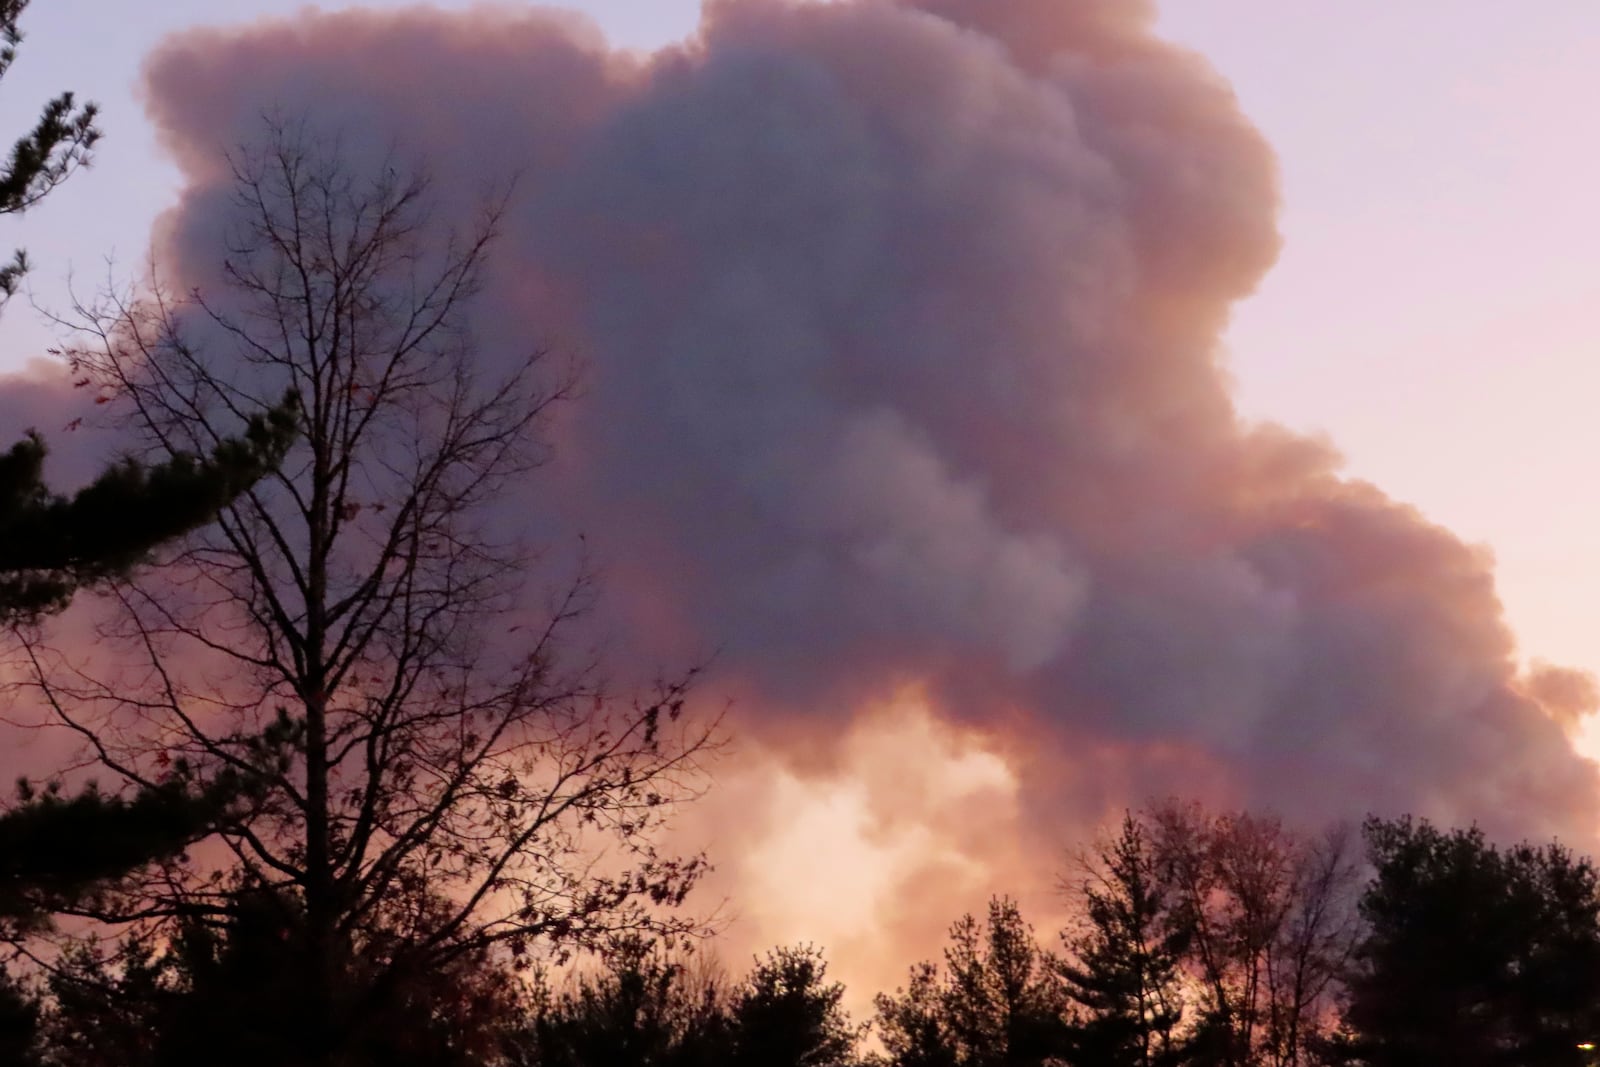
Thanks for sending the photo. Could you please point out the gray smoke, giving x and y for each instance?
(901, 324)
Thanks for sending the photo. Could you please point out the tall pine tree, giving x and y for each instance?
(997, 1002)
(56, 849)
(51, 545)
(1123, 971)
(42, 158)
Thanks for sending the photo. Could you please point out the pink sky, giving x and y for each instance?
(1435, 309)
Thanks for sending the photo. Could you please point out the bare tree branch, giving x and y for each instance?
(423, 787)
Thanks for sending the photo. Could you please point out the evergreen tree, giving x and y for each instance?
(56, 850)
(62, 852)
(912, 1023)
(1124, 967)
(42, 158)
(998, 1002)
(649, 1008)
(644, 1008)
(226, 989)
(786, 1014)
(1473, 955)
(51, 545)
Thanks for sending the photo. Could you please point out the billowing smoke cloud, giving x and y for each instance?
(902, 322)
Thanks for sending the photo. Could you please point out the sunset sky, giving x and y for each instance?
(1432, 315)
(1436, 309)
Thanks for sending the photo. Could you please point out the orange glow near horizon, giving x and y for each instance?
(872, 856)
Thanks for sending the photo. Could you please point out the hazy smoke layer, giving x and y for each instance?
(901, 323)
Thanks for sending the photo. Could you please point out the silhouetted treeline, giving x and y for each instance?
(1197, 940)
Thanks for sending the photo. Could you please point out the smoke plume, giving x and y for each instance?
(904, 396)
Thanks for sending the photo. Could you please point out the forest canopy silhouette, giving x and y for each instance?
(488, 380)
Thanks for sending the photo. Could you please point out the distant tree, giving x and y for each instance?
(787, 1014)
(432, 777)
(998, 1001)
(230, 992)
(644, 1007)
(1267, 920)
(913, 1025)
(1312, 953)
(46, 155)
(647, 1007)
(1123, 969)
(1473, 955)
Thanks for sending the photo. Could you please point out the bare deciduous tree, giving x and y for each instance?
(421, 782)
(1268, 918)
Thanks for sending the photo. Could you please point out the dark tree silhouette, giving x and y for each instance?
(1123, 970)
(59, 851)
(786, 1014)
(51, 545)
(56, 849)
(20, 1029)
(649, 1008)
(431, 776)
(998, 1001)
(1267, 918)
(46, 155)
(913, 1025)
(644, 1007)
(232, 992)
(1473, 955)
